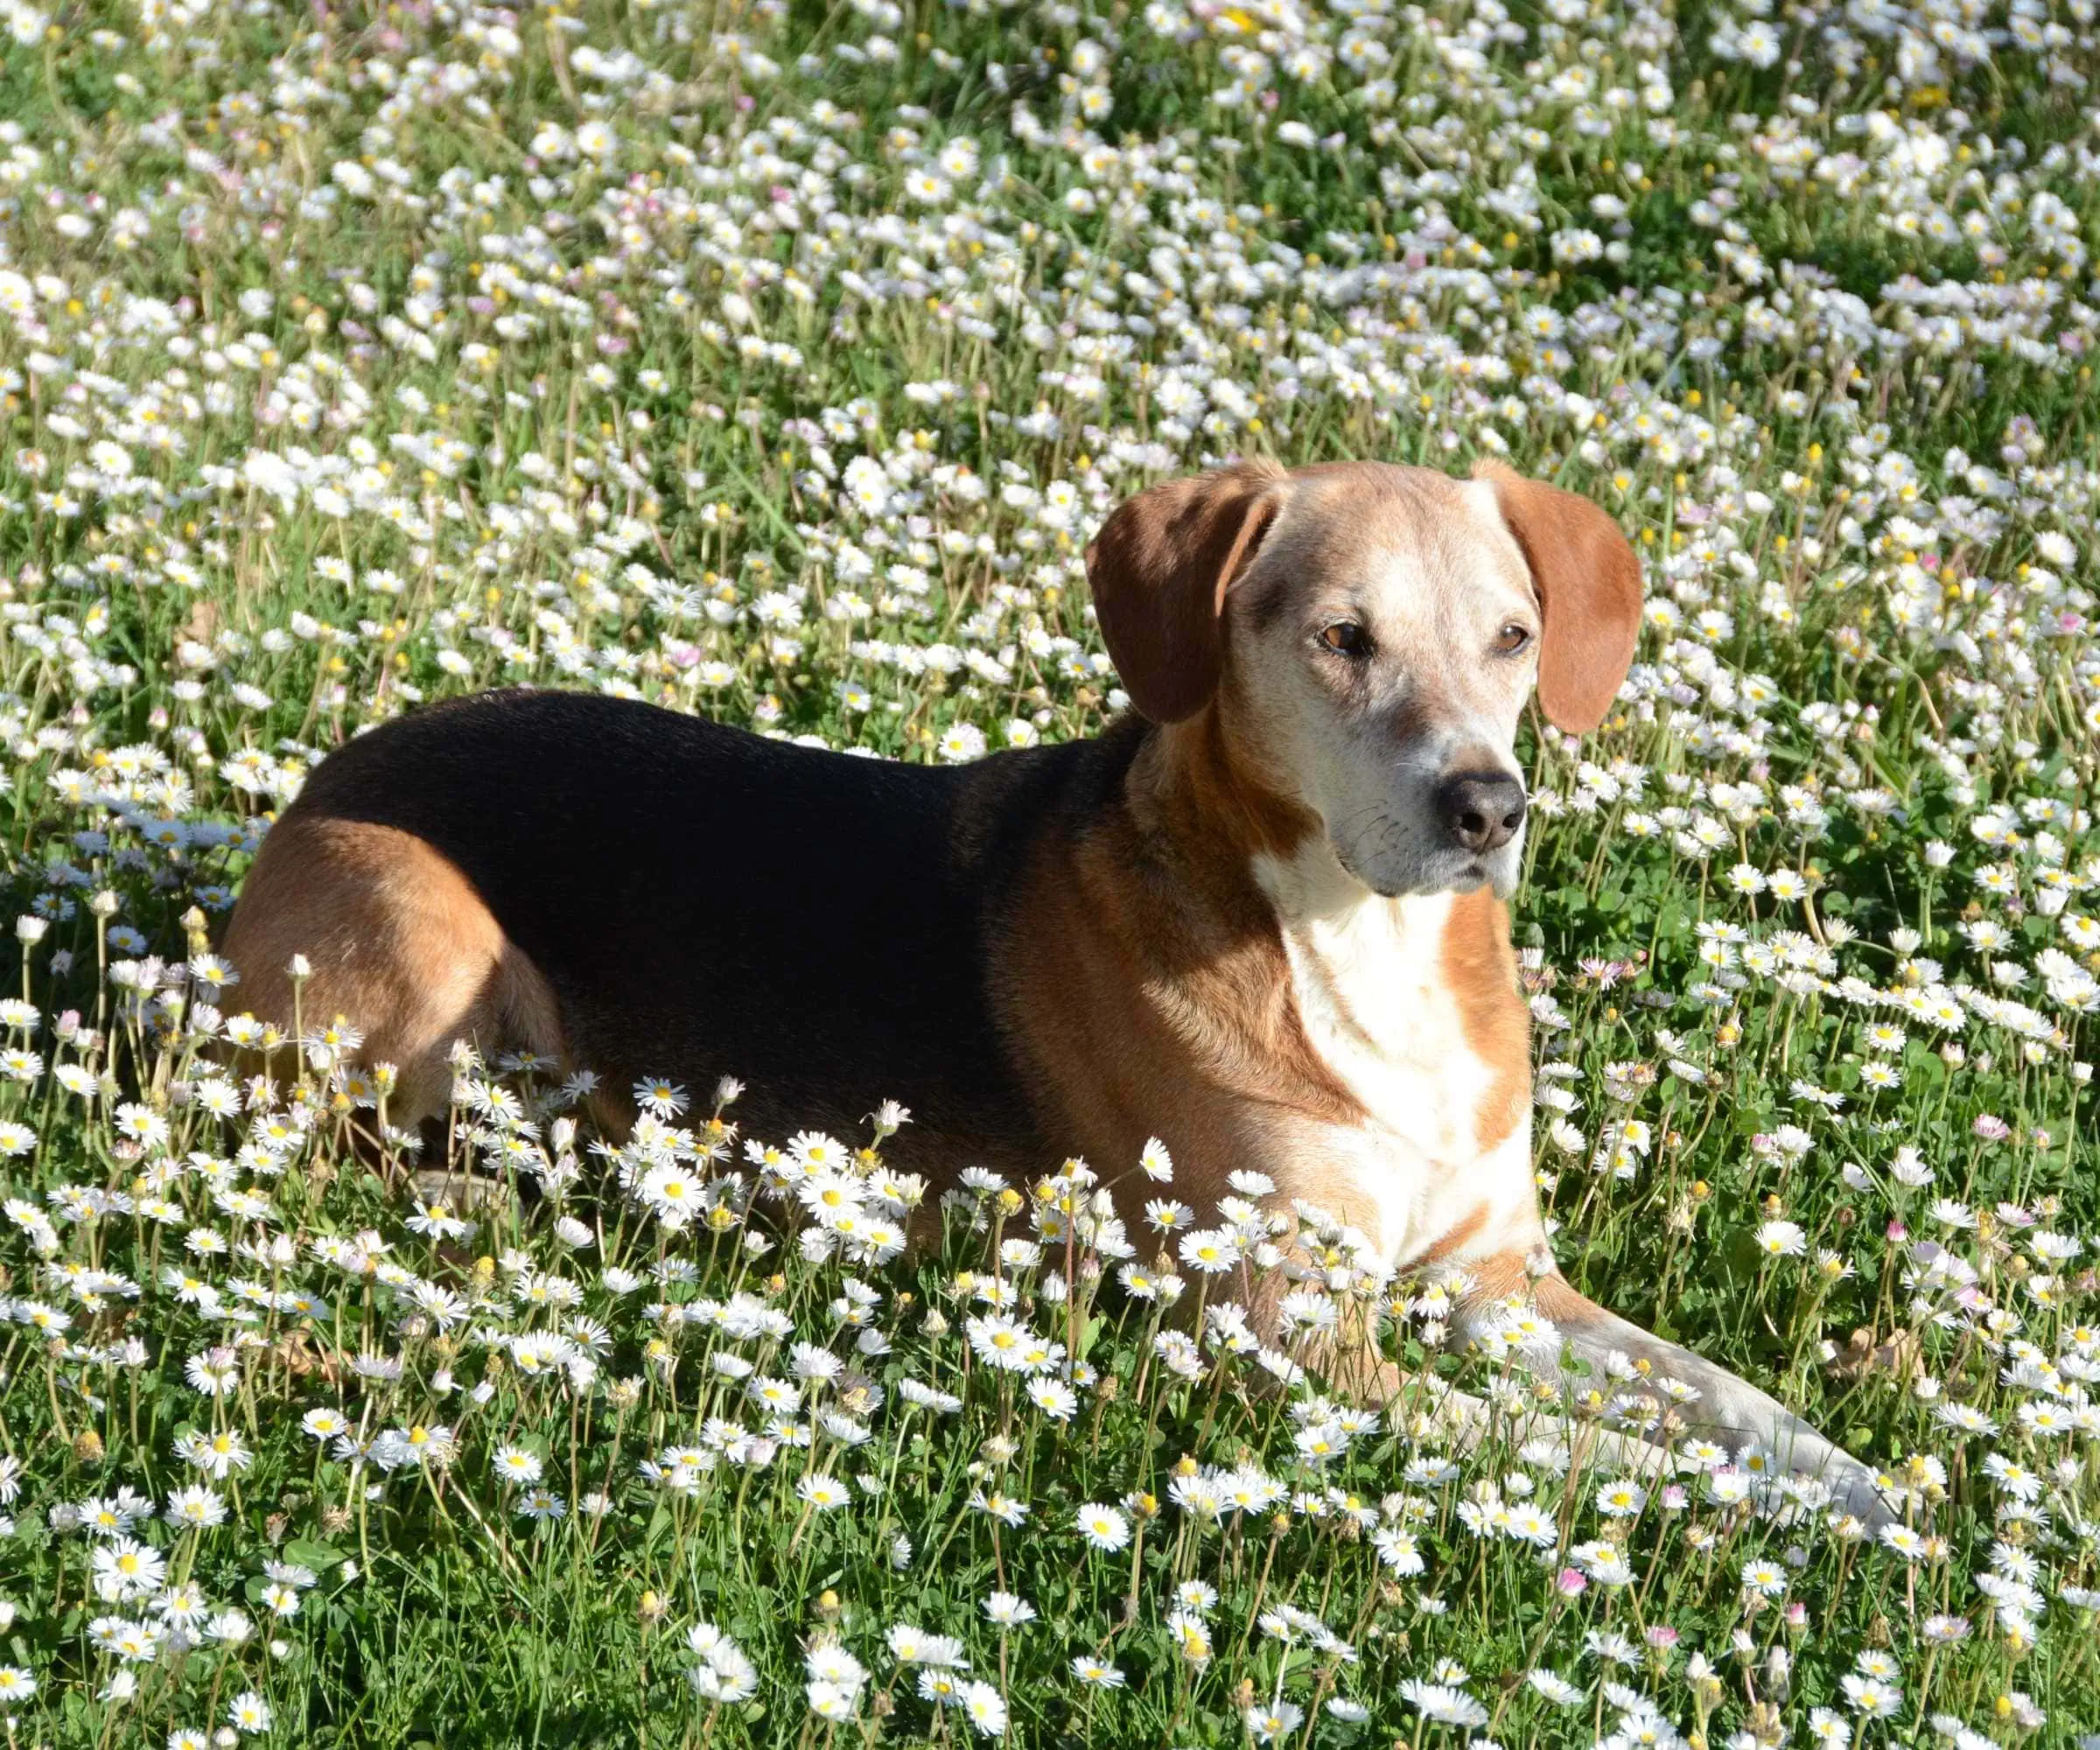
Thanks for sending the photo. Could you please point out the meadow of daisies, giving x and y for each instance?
(775, 360)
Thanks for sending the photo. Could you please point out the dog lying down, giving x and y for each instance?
(1261, 917)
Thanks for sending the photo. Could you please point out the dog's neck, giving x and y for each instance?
(1195, 787)
(1383, 1042)
(1401, 979)
(1412, 1005)
(1370, 970)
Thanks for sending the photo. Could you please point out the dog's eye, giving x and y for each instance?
(1347, 637)
(1512, 639)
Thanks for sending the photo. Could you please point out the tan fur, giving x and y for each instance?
(1144, 983)
(400, 947)
(1454, 1240)
(1208, 789)
(1497, 1275)
(1481, 967)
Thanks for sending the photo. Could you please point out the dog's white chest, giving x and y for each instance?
(1371, 980)
(1375, 1004)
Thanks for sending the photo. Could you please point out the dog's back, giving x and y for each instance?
(640, 894)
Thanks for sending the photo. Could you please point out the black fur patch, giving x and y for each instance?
(707, 902)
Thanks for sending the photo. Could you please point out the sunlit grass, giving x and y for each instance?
(777, 364)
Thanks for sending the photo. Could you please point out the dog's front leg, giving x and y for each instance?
(1727, 1410)
(1433, 1412)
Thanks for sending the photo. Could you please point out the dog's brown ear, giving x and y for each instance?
(1589, 592)
(1159, 569)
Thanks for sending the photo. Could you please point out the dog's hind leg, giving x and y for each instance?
(400, 946)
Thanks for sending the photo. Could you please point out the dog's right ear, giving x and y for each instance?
(1159, 569)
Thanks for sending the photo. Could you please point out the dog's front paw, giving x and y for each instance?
(1843, 1482)
(1858, 1490)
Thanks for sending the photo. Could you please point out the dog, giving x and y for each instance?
(1261, 917)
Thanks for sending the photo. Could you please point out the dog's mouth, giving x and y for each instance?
(1476, 872)
(1447, 870)
(1464, 879)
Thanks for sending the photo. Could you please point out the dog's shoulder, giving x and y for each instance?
(1007, 805)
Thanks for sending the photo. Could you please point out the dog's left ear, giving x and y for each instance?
(1589, 593)
(1159, 569)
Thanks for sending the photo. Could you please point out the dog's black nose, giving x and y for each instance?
(1481, 813)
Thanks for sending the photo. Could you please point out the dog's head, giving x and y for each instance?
(1365, 636)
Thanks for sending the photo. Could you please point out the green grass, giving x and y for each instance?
(536, 351)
